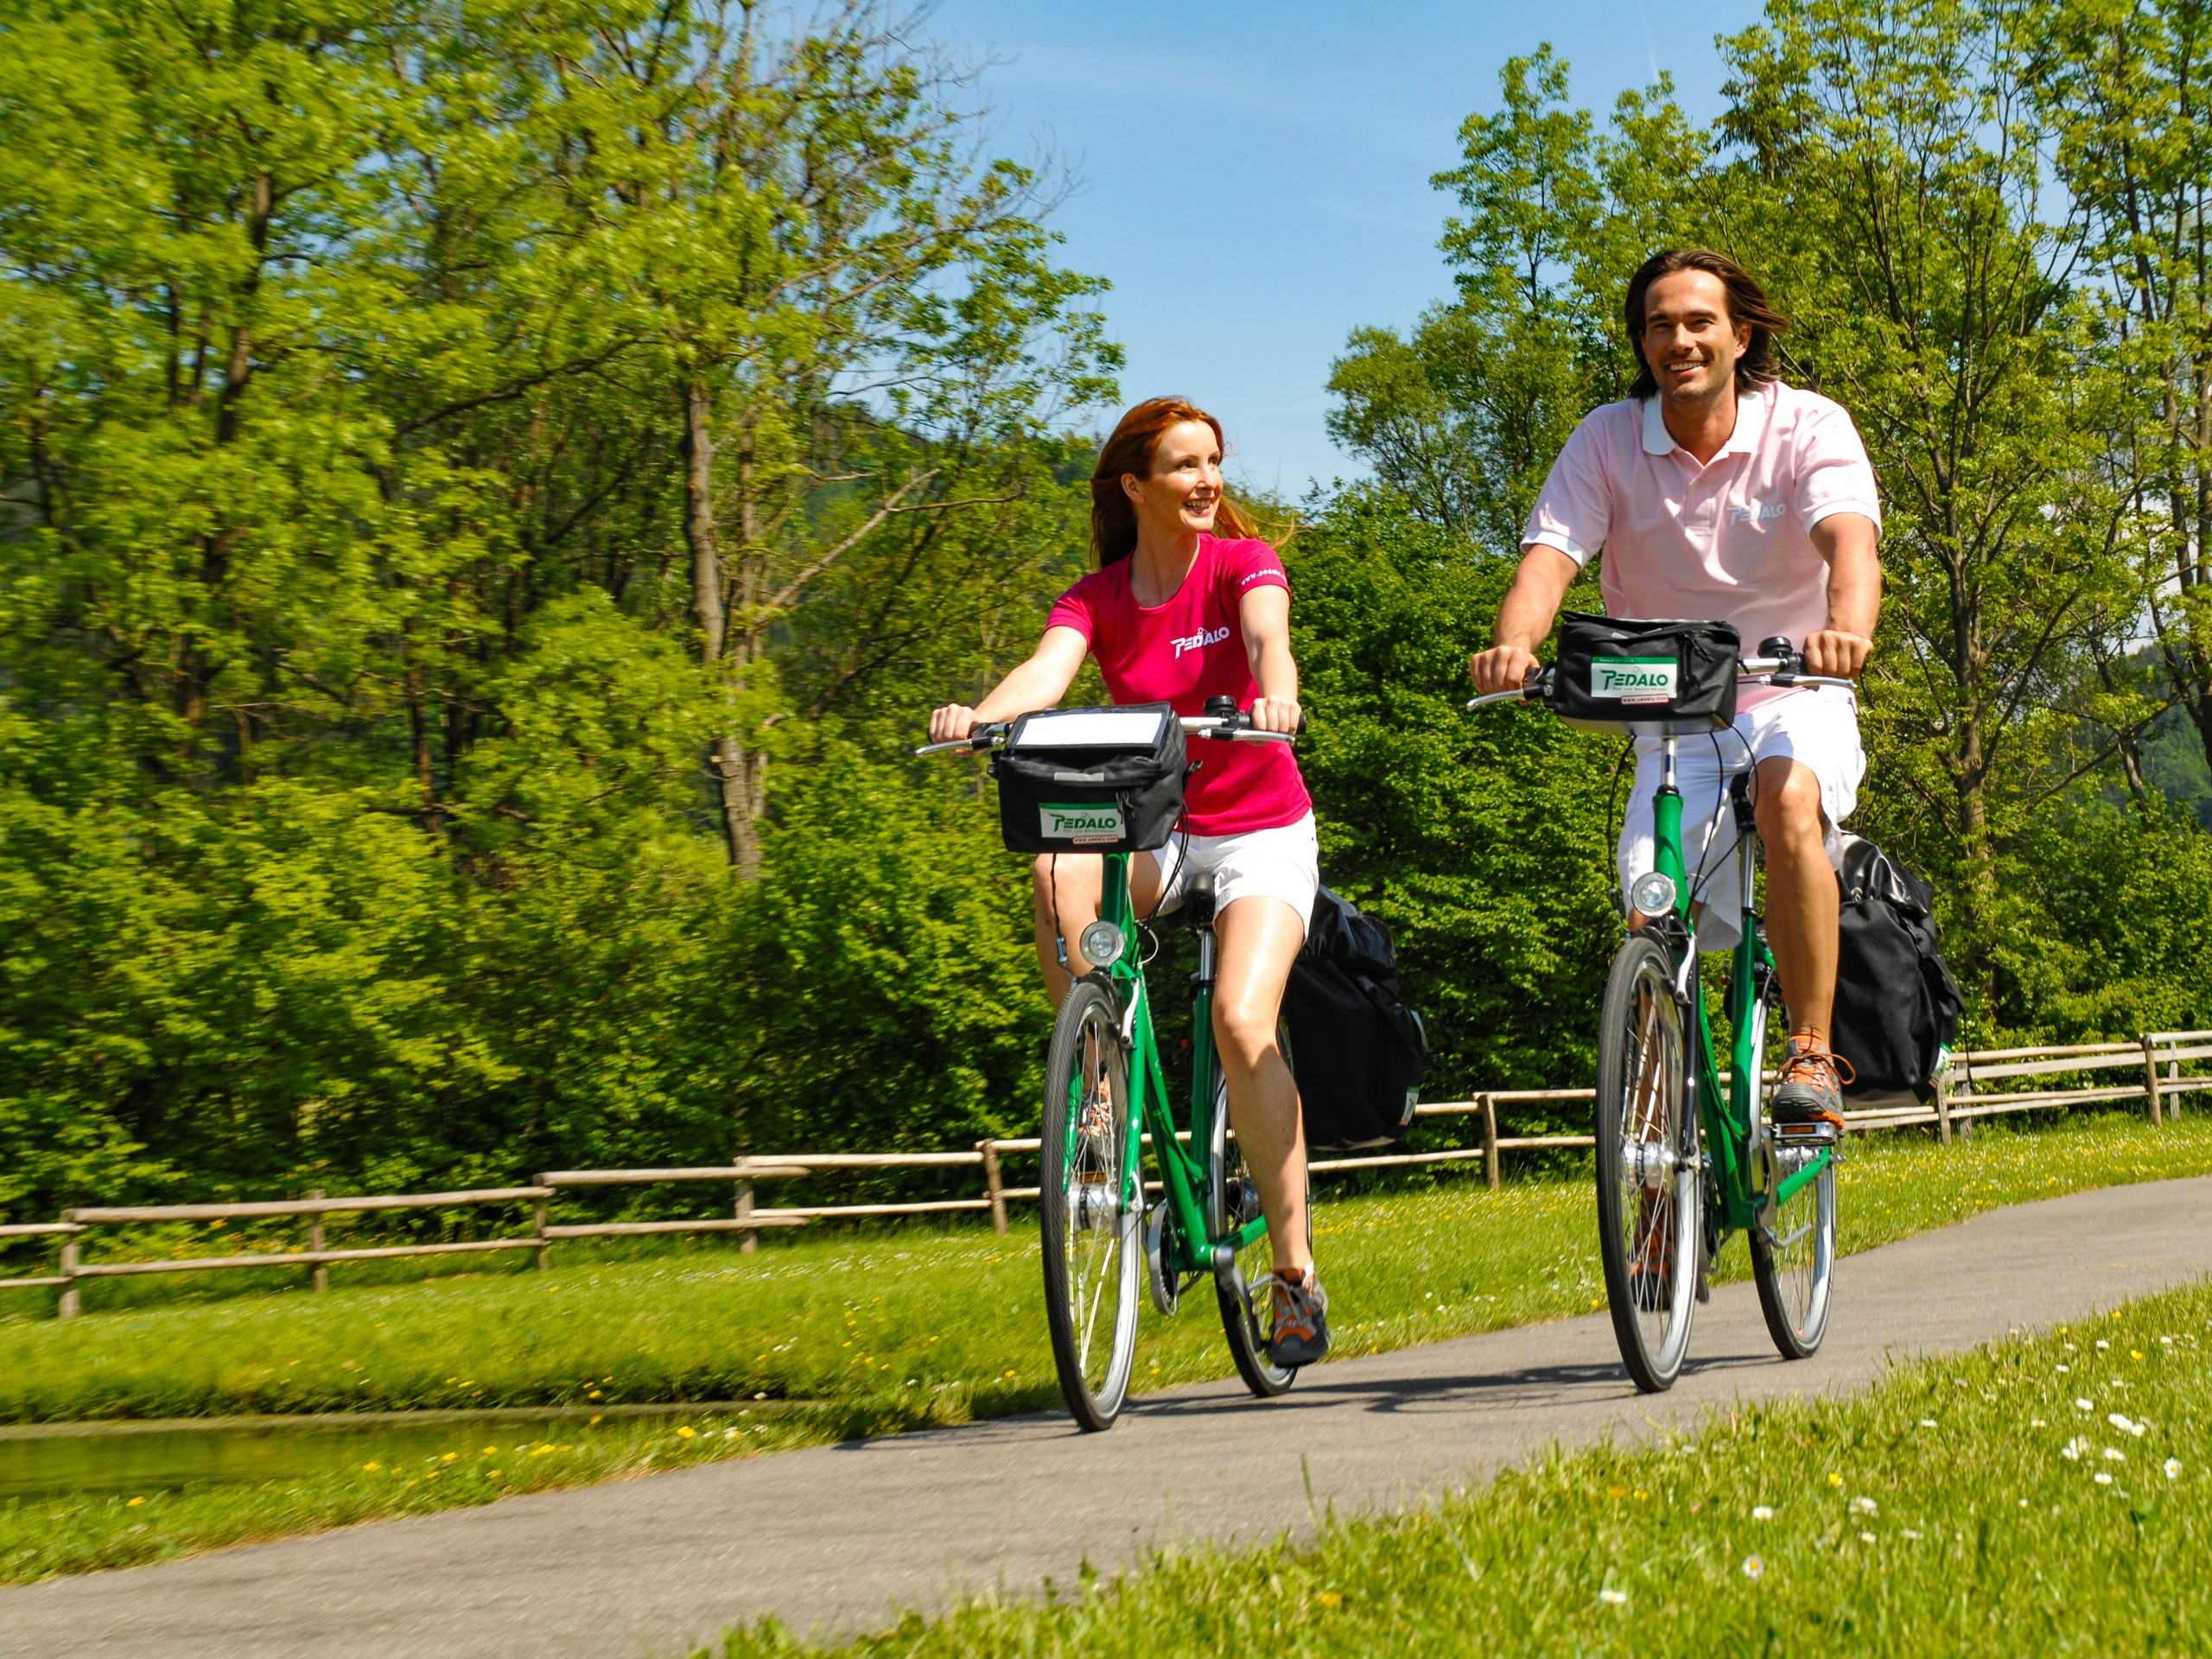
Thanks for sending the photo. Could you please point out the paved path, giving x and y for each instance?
(840, 1537)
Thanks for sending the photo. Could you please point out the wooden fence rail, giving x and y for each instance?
(1957, 1101)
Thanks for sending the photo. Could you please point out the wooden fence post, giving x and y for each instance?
(748, 1239)
(1943, 1104)
(1491, 1171)
(993, 1185)
(64, 1304)
(321, 1276)
(2173, 1075)
(2151, 1079)
(537, 1226)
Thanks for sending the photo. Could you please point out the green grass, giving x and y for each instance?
(1966, 1506)
(40, 1538)
(885, 1332)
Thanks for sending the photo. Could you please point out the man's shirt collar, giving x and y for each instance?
(1752, 411)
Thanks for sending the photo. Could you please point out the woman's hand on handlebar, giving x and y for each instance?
(1275, 714)
(1502, 668)
(952, 723)
(1835, 654)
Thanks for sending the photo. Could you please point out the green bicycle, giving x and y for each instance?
(1106, 1100)
(1665, 1206)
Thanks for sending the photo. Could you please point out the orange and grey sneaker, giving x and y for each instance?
(1810, 1088)
(1300, 1312)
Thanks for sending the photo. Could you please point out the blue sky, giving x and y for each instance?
(1254, 177)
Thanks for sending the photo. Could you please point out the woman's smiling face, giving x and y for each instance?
(1183, 493)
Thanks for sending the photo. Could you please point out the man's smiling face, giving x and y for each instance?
(1689, 340)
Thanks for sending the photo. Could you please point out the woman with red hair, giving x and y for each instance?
(1188, 604)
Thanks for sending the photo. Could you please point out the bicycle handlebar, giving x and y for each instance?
(1778, 669)
(1774, 670)
(1237, 728)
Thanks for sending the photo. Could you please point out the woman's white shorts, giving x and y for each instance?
(1816, 727)
(1282, 863)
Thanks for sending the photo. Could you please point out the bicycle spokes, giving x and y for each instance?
(1090, 1220)
(1647, 1166)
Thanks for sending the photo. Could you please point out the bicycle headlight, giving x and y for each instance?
(1101, 943)
(1652, 893)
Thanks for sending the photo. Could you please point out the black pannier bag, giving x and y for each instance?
(1355, 1047)
(1646, 679)
(1092, 780)
(1897, 1006)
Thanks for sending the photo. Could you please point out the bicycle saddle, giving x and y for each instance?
(1198, 899)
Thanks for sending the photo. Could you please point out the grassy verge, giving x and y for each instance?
(886, 1333)
(42, 1538)
(937, 1325)
(2044, 1495)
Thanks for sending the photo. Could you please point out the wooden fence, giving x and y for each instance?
(2156, 1058)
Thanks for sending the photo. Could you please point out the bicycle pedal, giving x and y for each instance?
(1807, 1134)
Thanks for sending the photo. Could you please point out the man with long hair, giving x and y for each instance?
(1718, 493)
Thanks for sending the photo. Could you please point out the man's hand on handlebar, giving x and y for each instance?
(1836, 654)
(1502, 668)
(1275, 714)
(952, 723)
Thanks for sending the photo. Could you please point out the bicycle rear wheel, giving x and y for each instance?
(1233, 1200)
(1649, 1188)
(1795, 1266)
(1793, 1244)
(1092, 1226)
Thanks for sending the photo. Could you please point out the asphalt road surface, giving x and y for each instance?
(839, 1539)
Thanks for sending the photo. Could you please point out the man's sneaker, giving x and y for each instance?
(1810, 1089)
(1301, 1314)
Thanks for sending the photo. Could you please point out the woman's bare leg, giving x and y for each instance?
(1260, 938)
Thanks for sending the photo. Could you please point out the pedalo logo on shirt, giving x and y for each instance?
(1201, 640)
(1633, 679)
(1080, 824)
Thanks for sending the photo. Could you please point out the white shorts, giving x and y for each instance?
(1816, 727)
(1281, 864)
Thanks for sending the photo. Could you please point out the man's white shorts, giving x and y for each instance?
(1816, 727)
(1282, 863)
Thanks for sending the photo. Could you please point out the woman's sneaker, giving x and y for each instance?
(1300, 1315)
(1810, 1089)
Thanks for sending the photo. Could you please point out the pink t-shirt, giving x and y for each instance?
(1184, 651)
(1729, 541)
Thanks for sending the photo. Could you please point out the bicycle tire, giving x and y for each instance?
(1230, 1191)
(1649, 1187)
(1093, 1243)
(1793, 1244)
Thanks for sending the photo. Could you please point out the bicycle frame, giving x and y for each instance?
(1725, 1114)
(1184, 1172)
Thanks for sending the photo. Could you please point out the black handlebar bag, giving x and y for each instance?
(1092, 780)
(1645, 679)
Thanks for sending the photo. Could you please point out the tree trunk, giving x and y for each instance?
(737, 774)
(699, 533)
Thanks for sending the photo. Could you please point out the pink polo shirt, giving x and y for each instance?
(1729, 541)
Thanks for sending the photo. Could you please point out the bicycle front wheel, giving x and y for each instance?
(1233, 1201)
(1092, 1224)
(1649, 1191)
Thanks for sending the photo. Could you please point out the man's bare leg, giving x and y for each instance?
(1802, 903)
